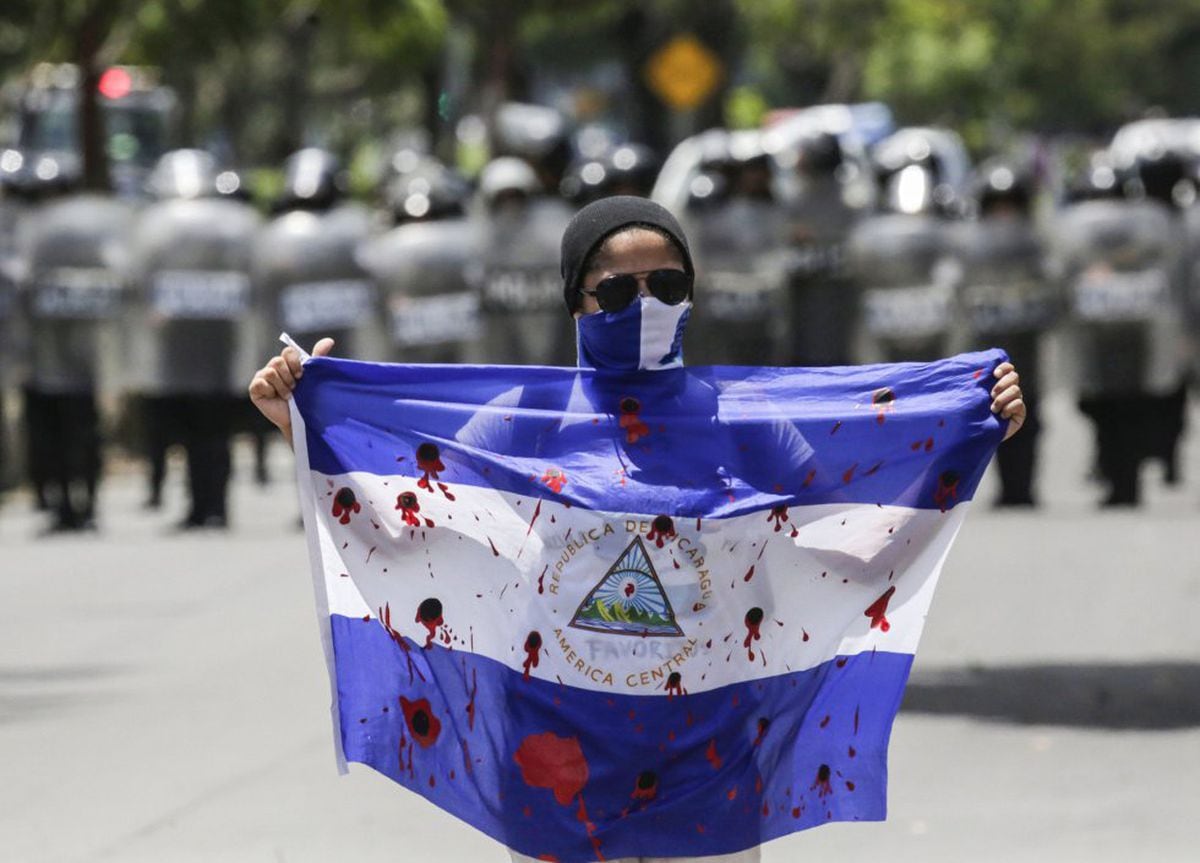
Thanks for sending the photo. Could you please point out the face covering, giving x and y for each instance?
(646, 334)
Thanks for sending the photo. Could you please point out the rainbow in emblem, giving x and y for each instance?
(629, 600)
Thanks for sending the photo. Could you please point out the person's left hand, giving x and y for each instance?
(1006, 398)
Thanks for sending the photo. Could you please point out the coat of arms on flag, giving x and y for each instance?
(661, 614)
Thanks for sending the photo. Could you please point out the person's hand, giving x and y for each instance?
(272, 385)
(1006, 398)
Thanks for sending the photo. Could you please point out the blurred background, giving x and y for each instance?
(861, 181)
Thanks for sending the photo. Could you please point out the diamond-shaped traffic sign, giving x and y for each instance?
(683, 72)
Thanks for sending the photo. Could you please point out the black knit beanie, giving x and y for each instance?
(599, 220)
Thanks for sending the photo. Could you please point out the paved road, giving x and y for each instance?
(163, 697)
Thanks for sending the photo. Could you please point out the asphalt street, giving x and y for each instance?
(163, 696)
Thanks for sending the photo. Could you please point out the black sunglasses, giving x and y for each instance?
(616, 292)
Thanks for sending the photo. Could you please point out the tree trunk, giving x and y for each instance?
(89, 39)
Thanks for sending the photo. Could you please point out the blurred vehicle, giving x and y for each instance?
(906, 301)
(138, 116)
(72, 294)
(190, 265)
(1121, 263)
(517, 277)
(1006, 299)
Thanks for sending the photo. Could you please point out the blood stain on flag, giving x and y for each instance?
(753, 620)
(821, 783)
(429, 615)
(662, 529)
(533, 645)
(345, 503)
(877, 610)
(555, 763)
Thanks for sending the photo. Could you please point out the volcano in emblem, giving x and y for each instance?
(629, 600)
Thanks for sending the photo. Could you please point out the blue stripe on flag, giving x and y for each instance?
(691, 442)
(664, 778)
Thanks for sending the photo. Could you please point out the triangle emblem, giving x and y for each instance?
(629, 599)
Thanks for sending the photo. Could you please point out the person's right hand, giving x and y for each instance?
(272, 385)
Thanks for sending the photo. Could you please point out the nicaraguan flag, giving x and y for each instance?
(664, 614)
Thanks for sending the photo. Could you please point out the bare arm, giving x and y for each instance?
(272, 385)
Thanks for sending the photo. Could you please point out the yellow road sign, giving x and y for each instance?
(683, 72)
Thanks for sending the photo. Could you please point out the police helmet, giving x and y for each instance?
(505, 178)
(1000, 183)
(536, 133)
(429, 192)
(183, 174)
(311, 181)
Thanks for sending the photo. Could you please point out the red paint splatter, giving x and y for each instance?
(753, 620)
(749, 573)
(928, 444)
(849, 474)
(852, 752)
(385, 617)
(582, 816)
(873, 468)
(883, 400)
(763, 725)
(856, 719)
(821, 784)
(805, 633)
(812, 474)
(554, 479)
(345, 503)
(779, 514)
(849, 785)
(711, 754)
(470, 707)
(557, 763)
(409, 506)
(542, 578)
(837, 425)
(674, 685)
(495, 552)
(877, 610)
(825, 721)
(533, 646)
(537, 510)
(429, 462)
(646, 786)
(662, 529)
(422, 724)
(429, 615)
(632, 424)
(947, 489)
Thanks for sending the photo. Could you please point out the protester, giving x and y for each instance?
(627, 280)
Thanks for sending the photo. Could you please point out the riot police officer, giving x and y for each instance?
(306, 278)
(624, 169)
(517, 278)
(431, 309)
(71, 296)
(304, 259)
(739, 252)
(539, 136)
(1005, 299)
(820, 218)
(905, 301)
(190, 265)
(1119, 255)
